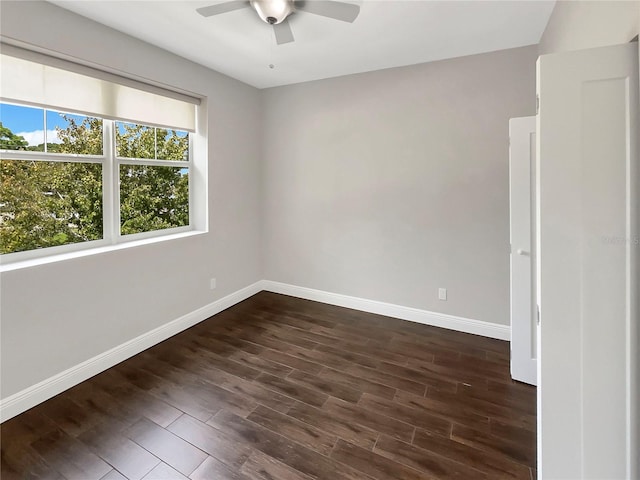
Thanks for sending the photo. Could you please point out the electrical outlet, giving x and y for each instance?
(212, 284)
(442, 294)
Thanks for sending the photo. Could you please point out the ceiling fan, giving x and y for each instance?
(277, 12)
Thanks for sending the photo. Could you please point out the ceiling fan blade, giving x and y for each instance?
(219, 8)
(346, 12)
(283, 32)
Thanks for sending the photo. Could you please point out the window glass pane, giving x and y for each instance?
(135, 141)
(141, 141)
(21, 128)
(45, 204)
(153, 198)
(70, 133)
(172, 144)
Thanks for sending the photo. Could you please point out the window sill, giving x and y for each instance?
(35, 262)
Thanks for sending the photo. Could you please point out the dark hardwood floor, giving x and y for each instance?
(287, 389)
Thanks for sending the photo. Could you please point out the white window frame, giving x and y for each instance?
(110, 189)
(117, 161)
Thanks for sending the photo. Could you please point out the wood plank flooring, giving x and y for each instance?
(287, 389)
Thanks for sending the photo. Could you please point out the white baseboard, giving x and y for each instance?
(461, 324)
(32, 396)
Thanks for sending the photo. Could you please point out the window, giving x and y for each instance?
(154, 177)
(51, 185)
(96, 174)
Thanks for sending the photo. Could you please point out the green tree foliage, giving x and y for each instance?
(44, 204)
(81, 138)
(152, 198)
(11, 141)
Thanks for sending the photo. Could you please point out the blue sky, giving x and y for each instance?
(29, 122)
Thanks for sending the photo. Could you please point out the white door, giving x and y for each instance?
(588, 264)
(522, 162)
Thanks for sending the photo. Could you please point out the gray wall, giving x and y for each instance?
(390, 184)
(58, 315)
(580, 24)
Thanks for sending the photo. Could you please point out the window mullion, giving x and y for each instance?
(44, 132)
(109, 183)
(154, 163)
(190, 161)
(50, 157)
(116, 186)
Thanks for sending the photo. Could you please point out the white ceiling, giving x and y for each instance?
(387, 33)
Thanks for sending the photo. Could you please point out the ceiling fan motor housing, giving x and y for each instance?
(273, 11)
(277, 12)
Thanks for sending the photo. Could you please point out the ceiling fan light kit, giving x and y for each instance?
(273, 11)
(277, 12)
